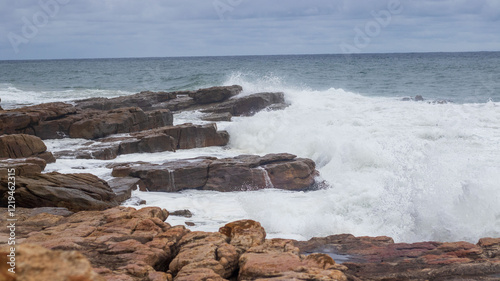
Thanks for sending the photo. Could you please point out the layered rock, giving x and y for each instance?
(145, 100)
(73, 191)
(23, 166)
(168, 138)
(379, 258)
(245, 172)
(58, 120)
(248, 105)
(215, 94)
(24, 146)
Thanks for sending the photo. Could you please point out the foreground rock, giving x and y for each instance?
(379, 258)
(76, 192)
(127, 244)
(244, 172)
(58, 120)
(169, 138)
(34, 262)
(24, 146)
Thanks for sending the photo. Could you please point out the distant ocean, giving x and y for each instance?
(412, 170)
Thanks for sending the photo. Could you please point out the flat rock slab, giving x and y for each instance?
(245, 172)
(379, 258)
(168, 138)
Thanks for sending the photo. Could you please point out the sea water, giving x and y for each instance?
(427, 170)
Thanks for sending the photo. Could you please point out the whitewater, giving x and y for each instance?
(414, 171)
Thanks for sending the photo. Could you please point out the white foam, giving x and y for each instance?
(410, 170)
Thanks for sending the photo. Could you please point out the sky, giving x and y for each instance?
(59, 29)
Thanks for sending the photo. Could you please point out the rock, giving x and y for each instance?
(491, 247)
(244, 234)
(145, 100)
(214, 117)
(73, 191)
(245, 172)
(23, 166)
(34, 263)
(215, 94)
(248, 105)
(182, 213)
(120, 243)
(122, 120)
(204, 251)
(379, 258)
(419, 98)
(122, 187)
(22, 120)
(278, 259)
(23, 146)
(168, 138)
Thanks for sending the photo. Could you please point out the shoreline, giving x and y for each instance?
(143, 123)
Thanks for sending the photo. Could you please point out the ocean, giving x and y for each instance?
(393, 166)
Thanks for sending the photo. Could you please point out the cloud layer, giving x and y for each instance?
(157, 28)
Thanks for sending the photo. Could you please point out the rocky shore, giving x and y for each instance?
(71, 227)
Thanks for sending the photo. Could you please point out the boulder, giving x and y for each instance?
(23, 146)
(122, 187)
(215, 94)
(248, 105)
(76, 192)
(244, 172)
(33, 263)
(23, 166)
(244, 234)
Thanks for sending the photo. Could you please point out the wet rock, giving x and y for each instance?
(145, 100)
(34, 263)
(168, 138)
(73, 191)
(379, 258)
(244, 172)
(22, 120)
(215, 94)
(182, 213)
(122, 187)
(122, 120)
(24, 146)
(418, 98)
(23, 166)
(248, 105)
(214, 117)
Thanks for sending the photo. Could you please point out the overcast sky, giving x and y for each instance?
(160, 28)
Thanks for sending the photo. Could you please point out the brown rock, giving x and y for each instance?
(122, 187)
(73, 191)
(244, 234)
(379, 258)
(145, 100)
(34, 263)
(23, 166)
(248, 105)
(491, 246)
(215, 94)
(122, 120)
(278, 259)
(244, 172)
(214, 117)
(207, 251)
(22, 146)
